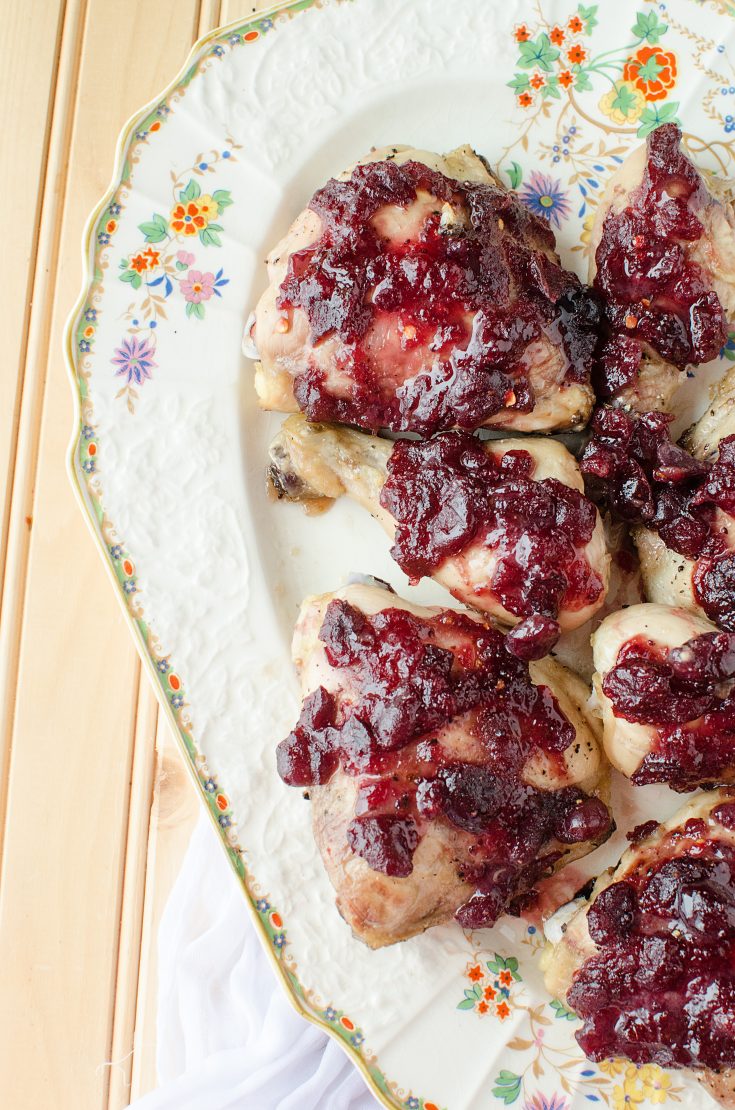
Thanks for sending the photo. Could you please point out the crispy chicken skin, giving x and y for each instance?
(390, 348)
(712, 256)
(381, 909)
(569, 943)
(316, 461)
(628, 743)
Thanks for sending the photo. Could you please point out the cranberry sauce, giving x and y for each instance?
(678, 691)
(661, 988)
(403, 680)
(433, 326)
(448, 493)
(652, 292)
(631, 463)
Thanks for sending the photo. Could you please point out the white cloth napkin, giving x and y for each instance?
(228, 1039)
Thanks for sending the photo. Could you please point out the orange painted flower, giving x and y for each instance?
(566, 78)
(577, 54)
(651, 70)
(475, 973)
(187, 219)
(522, 33)
(537, 81)
(152, 257)
(489, 993)
(525, 100)
(557, 36)
(139, 263)
(502, 1010)
(482, 1007)
(506, 978)
(575, 25)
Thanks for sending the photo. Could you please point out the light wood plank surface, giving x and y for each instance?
(95, 805)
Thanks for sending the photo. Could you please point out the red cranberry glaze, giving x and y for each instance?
(471, 296)
(448, 493)
(651, 291)
(405, 678)
(661, 988)
(631, 464)
(679, 692)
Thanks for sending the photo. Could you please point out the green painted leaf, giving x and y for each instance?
(650, 71)
(222, 198)
(209, 236)
(515, 175)
(505, 1077)
(655, 115)
(649, 28)
(624, 99)
(180, 265)
(191, 192)
(538, 53)
(582, 80)
(137, 281)
(493, 965)
(588, 16)
(466, 1004)
(561, 1012)
(512, 963)
(128, 275)
(507, 1087)
(519, 83)
(155, 230)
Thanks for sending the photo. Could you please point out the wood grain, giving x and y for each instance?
(96, 806)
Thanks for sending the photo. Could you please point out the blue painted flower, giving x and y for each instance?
(356, 1039)
(177, 700)
(89, 466)
(129, 586)
(103, 238)
(140, 135)
(545, 197)
(116, 551)
(262, 905)
(218, 51)
(203, 165)
(412, 1103)
(90, 315)
(210, 786)
(134, 359)
(84, 346)
(279, 939)
(330, 1014)
(114, 209)
(226, 154)
(162, 109)
(266, 25)
(234, 40)
(87, 431)
(163, 665)
(224, 820)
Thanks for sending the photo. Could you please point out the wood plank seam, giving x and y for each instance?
(34, 382)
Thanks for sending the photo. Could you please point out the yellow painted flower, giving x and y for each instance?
(656, 1084)
(627, 1096)
(586, 237)
(208, 207)
(613, 1066)
(624, 103)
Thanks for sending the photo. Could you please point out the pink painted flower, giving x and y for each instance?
(185, 257)
(134, 359)
(197, 286)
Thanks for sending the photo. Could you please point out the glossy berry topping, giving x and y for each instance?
(631, 465)
(434, 324)
(661, 988)
(652, 291)
(403, 682)
(679, 692)
(448, 493)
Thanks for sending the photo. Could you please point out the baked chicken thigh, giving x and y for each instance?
(503, 524)
(664, 683)
(663, 264)
(681, 509)
(446, 776)
(648, 961)
(416, 293)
